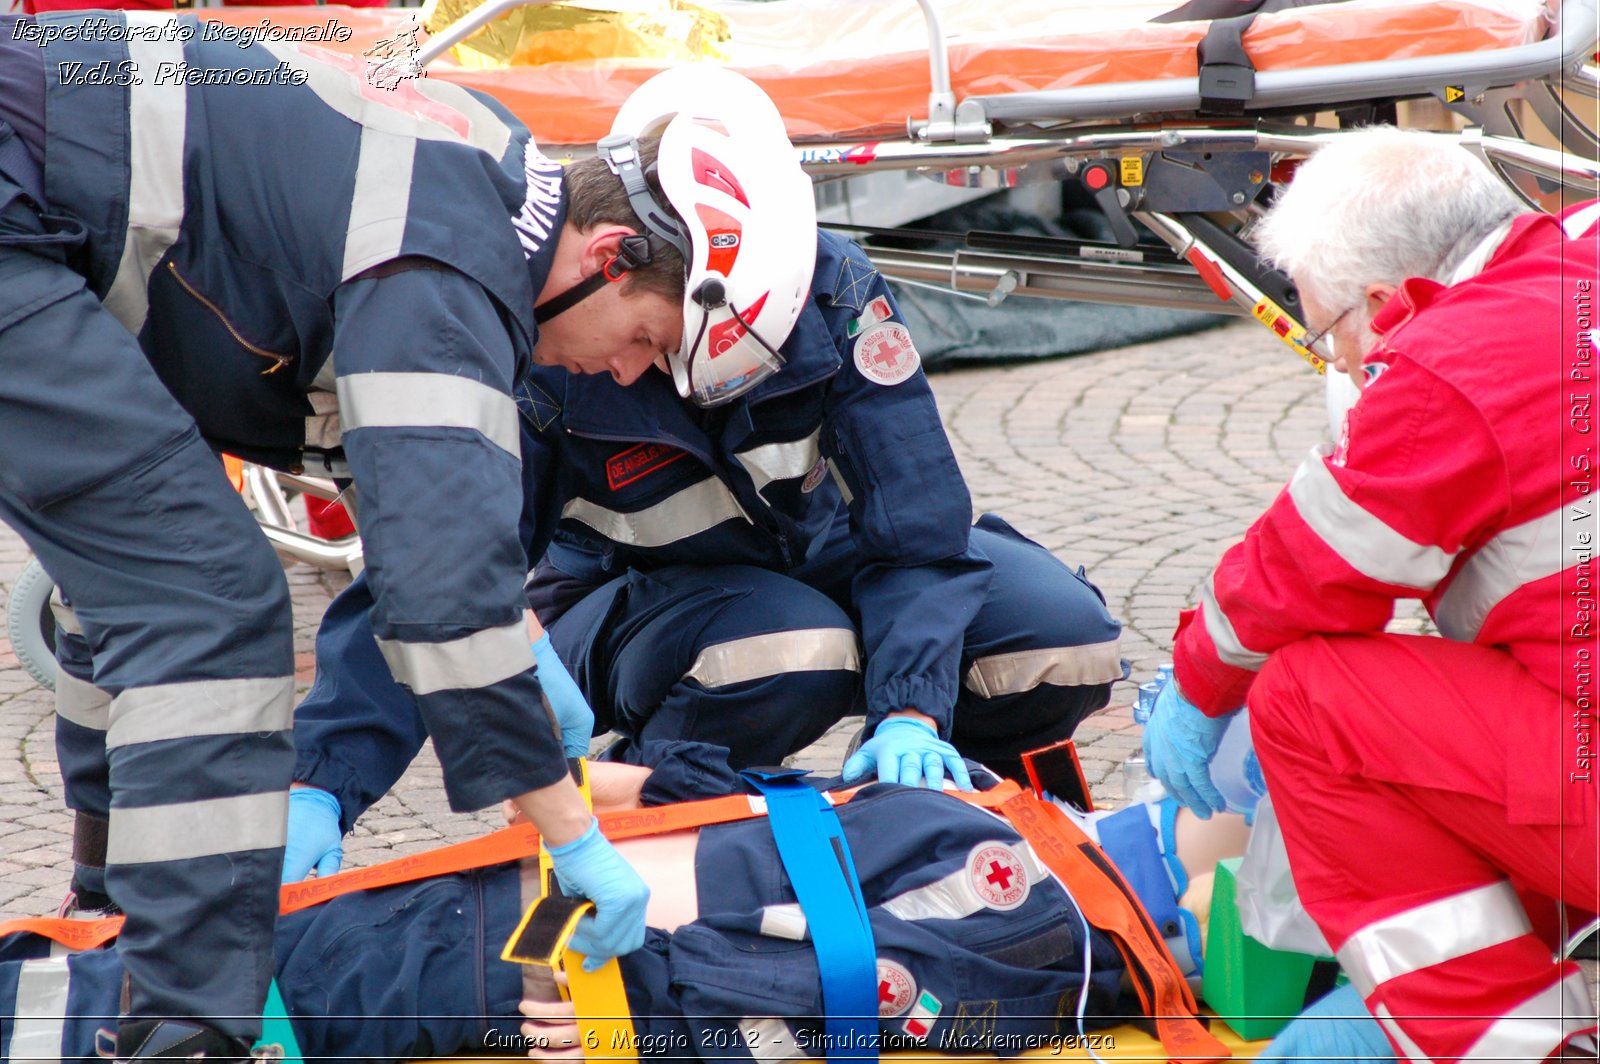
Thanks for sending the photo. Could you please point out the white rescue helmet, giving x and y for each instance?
(742, 215)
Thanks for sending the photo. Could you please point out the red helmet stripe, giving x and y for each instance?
(712, 174)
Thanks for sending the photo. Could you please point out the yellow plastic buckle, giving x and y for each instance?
(599, 1001)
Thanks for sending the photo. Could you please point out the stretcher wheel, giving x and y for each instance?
(31, 625)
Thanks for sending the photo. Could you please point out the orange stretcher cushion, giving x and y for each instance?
(842, 69)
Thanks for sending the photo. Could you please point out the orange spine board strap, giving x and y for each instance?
(1110, 905)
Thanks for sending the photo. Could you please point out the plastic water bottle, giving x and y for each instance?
(1146, 702)
(1164, 673)
(1135, 776)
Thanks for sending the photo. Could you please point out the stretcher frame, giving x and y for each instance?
(1207, 264)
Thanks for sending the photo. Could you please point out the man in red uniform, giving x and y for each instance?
(1437, 795)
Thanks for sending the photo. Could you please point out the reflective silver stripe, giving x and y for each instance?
(1514, 557)
(41, 1017)
(429, 400)
(953, 897)
(380, 202)
(781, 461)
(488, 132)
(326, 380)
(1023, 670)
(1398, 1036)
(82, 702)
(1432, 934)
(688, 512)
(205, 828)
(838, 478)
(1220, 629)
(769, 1040)
(201, 707)
(157, 115)
(324, 430)
(1366, 544)
(447, 112)
(66, 619)
(479, 660)
(775, 654)
(1538, 1026)
(949, 898)
(784, 921)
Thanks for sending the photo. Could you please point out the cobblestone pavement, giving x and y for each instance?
(1141, 463)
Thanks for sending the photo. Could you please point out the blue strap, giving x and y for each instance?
(1169, 845)
(812, 846)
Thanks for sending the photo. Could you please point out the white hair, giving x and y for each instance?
(1379, 205)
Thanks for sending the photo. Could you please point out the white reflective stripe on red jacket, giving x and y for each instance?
(1433, 933)
(1518, 556)
(1363, 541)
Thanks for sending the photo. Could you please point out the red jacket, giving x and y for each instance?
(1455, 481)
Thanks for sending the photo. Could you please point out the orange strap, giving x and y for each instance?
(507, 844)
(1110, 905)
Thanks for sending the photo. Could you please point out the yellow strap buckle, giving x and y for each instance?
(543, 937)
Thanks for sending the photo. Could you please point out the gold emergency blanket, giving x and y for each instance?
(577, 30)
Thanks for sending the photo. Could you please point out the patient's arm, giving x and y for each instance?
(611, 786)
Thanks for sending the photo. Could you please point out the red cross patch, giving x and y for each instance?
(896, 989)
(998, 875)
(885, 355)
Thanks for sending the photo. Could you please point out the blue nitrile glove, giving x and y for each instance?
(313, 838)
(590, 867)
(1256, 781)
(910, 752)
(566, 701)
(1179, 743)
(1336, 1029)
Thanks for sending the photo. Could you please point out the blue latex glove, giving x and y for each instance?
(1253, 775)
(566, 701)
(908, 751)
(314, 841)
(1179, 743)
(590, 867)
(1337, 1028)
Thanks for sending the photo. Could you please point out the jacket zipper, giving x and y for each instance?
(279, 361)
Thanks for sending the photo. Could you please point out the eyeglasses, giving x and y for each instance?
(1313, 339)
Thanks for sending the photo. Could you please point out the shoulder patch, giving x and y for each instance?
(885, 354)
(896, 988)
(639, 461)
(998, 875)
(854, 284)
(876, 311)
(536, 404)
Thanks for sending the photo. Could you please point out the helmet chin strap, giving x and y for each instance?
(632, 253)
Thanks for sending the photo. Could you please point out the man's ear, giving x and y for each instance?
(1377, 293)
(600, 246)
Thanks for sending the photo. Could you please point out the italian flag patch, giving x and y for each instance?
(923, 1015)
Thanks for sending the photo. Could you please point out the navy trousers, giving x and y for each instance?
(181, 705)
